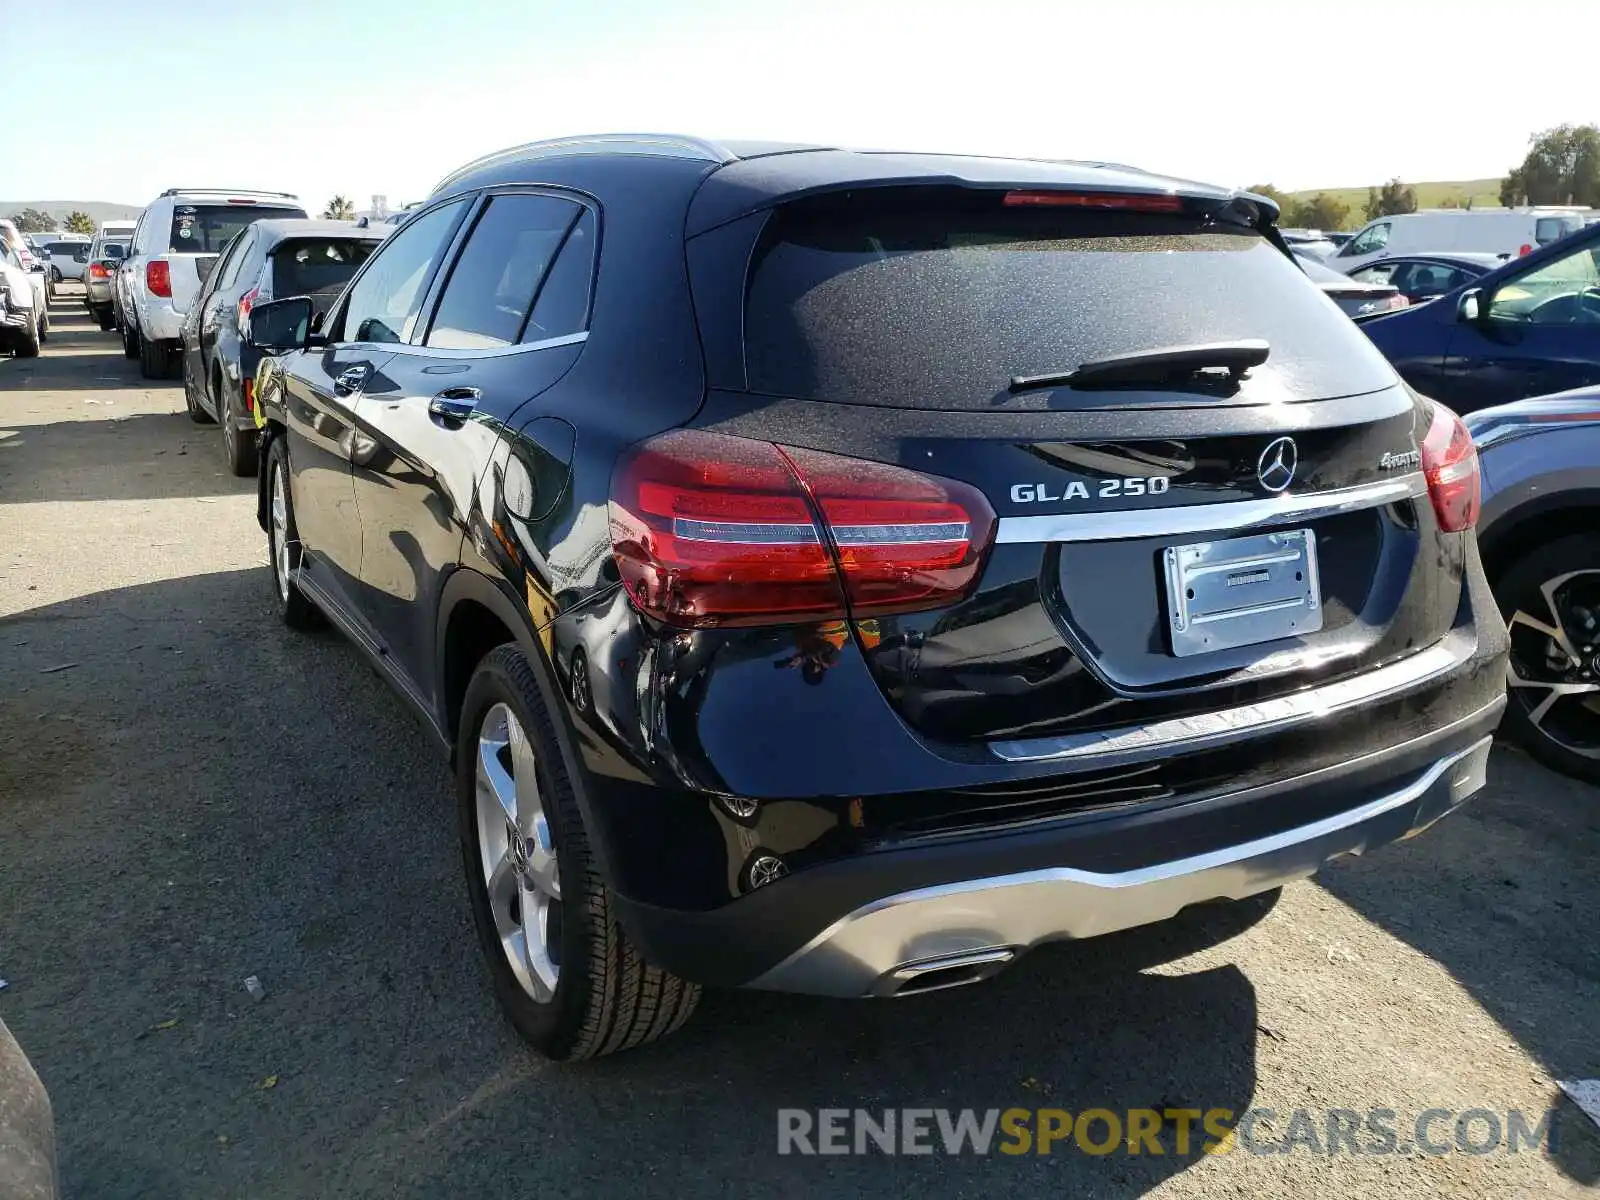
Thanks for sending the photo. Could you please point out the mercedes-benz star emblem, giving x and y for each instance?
(1275, 467)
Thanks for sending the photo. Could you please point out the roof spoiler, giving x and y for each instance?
(216, 191)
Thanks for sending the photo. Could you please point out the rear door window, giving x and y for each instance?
(490, 295)
(562, 306)
(936, 300)
(208, 228)
(228, 266)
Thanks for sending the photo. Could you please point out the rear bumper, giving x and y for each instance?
(960, 932)
(96, 294)
(159, 321)
(866, 924)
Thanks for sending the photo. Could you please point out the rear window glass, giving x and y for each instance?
(67, 248)
(309, 266)
(901, 303)
(208, 228)
(1549, 229)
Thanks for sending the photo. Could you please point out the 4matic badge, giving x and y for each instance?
(1393, 462)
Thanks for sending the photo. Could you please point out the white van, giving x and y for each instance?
(1508, 231)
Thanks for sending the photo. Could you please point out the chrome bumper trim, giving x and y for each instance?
(873, 950)
(1218, 727)
(1183, 520)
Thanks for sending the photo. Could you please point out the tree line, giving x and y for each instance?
(36, 220)
(1562, 166)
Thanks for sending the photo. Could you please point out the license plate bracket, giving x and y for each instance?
(1241, 591)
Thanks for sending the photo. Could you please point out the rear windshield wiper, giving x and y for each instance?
(1154, 366)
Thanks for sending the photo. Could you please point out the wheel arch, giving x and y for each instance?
(1537, 522)
(461, 641)
(271, 432)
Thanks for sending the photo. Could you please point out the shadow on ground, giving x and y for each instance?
(206, 796)
(1503, 894)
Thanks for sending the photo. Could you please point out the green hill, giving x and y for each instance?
(98, 210)
(1483, 193)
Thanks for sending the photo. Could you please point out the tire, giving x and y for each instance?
(155, 361)
(196, 410)
(55, 275)
(44, 325)
(1546, 586)
(283, 548)
(130, 341)
(104, 319)
(605, 996)
(238, 446)
(27, 343)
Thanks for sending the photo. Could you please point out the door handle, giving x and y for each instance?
(455, 403)
(349, 380)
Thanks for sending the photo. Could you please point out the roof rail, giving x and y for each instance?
(670, 145)
(216, 191)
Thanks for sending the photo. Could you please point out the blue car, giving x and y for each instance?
(1529, 328)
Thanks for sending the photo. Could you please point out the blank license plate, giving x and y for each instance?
(1241, 591)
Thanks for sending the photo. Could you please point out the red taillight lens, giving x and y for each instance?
(98, 271)
(249, 390)
(1525, 248)
(246, 303)
(709, 529)
(1122, 201)
(158, 277)
(1450, 463)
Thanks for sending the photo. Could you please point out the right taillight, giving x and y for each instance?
(98, 271)
(242, 312)
(1450, 464)
(709, 529)
(158, 277)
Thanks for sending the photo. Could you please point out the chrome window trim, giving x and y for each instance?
(1182, 520)
(447, 352)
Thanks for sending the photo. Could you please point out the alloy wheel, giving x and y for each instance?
(1554, 671)
(225, 415)
(518, 854)
(280, 533)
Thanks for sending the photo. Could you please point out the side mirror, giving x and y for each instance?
(1469, 308)
(281, 325)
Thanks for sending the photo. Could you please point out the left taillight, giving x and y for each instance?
(98, 271)
(1450, 464)
(158, 277)
(710, 530)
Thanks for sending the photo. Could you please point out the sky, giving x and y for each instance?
(388, 96)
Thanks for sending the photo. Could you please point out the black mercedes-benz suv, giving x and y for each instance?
(841, 572)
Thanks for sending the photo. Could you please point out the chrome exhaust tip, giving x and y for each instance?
(945, 971)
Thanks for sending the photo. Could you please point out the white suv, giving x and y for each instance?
(175, 244)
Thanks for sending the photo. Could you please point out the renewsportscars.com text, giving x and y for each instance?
(1175, 1131)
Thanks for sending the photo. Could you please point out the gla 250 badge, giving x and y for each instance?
(1105, 489)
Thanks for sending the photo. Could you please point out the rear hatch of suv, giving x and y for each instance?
(201, 231)
(1207, 481)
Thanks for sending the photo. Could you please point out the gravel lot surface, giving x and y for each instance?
(191, 795)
